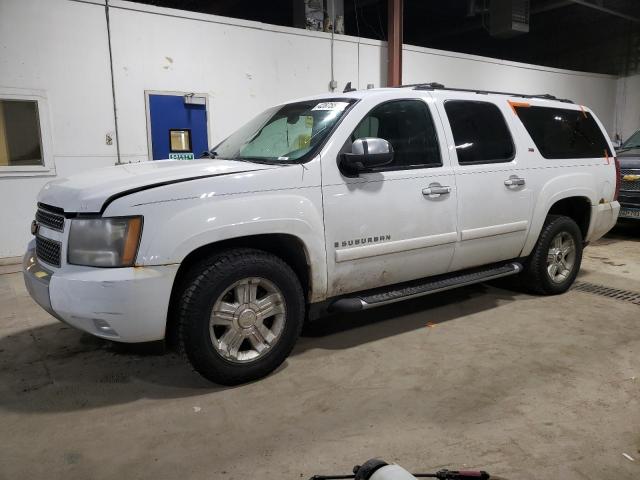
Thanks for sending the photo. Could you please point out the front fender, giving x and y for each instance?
(553, 191)
(172, 233)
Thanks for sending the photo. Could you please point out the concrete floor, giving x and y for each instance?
(524, 387)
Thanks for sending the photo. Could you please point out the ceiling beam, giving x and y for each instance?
(551, 6)
(604, 9)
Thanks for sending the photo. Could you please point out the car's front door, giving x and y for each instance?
(494, 198)
(383, 226)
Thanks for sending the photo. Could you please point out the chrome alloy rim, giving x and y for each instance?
(247, 320)
(561, 257)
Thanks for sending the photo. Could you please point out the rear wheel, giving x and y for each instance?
(555, 260)
(240, 315)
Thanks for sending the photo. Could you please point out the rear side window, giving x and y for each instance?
(561, 133)
(480, 132)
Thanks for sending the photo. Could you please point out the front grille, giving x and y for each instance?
(630, 185)
(48, 251)
(50, 219)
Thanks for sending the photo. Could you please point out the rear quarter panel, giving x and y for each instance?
(593, 179)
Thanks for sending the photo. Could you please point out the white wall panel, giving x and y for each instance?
(59, 48)
(468, 71)
(243, 70)
(627, 116)
(373, 63)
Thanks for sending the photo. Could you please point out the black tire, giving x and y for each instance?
(536, 278)
(205, 283)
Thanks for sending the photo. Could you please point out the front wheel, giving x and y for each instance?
(555, 260)
(240, 315)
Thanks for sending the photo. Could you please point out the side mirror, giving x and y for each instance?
(367, 153)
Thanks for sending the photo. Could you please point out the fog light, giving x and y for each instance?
(104, 328)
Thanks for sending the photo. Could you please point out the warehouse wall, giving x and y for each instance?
(59, 49)
(458, 70)
(247, 66)
(56, 49)
(627, 111)
(243, 66)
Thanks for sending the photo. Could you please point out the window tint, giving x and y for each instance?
(19, 133)
(408, 127)
(562, 133)
(479, 131)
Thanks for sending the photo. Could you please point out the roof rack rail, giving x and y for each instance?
(439, 86)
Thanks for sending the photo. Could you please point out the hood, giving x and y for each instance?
(87, 192)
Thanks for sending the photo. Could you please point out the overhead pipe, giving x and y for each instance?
(113, 83)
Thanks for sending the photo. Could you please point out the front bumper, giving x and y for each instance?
(37, 279)
(124, 304)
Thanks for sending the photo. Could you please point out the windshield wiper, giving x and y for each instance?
(260, 160)
(209, 154)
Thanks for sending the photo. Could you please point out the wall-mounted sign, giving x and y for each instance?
(181, 156)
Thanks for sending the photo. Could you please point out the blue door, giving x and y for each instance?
(178, 126)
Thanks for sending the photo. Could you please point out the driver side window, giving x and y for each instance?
(407, 125)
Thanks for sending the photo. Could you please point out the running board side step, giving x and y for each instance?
(406, 291)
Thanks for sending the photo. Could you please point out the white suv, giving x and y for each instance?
(343, 203)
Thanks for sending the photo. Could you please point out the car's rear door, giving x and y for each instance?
(494, 198)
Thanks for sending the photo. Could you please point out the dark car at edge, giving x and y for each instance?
(629, 198)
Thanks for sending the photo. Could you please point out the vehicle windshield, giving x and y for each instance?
(633, 141)
(283, 134)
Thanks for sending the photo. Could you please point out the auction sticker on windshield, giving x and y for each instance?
(336, 106)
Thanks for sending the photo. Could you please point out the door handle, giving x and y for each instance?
(514, 181)
(435, 189)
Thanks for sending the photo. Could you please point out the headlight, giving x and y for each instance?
(104, 242)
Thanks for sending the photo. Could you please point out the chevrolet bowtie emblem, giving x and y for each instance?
(631, 178)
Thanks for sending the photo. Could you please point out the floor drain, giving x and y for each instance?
(615, 293)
